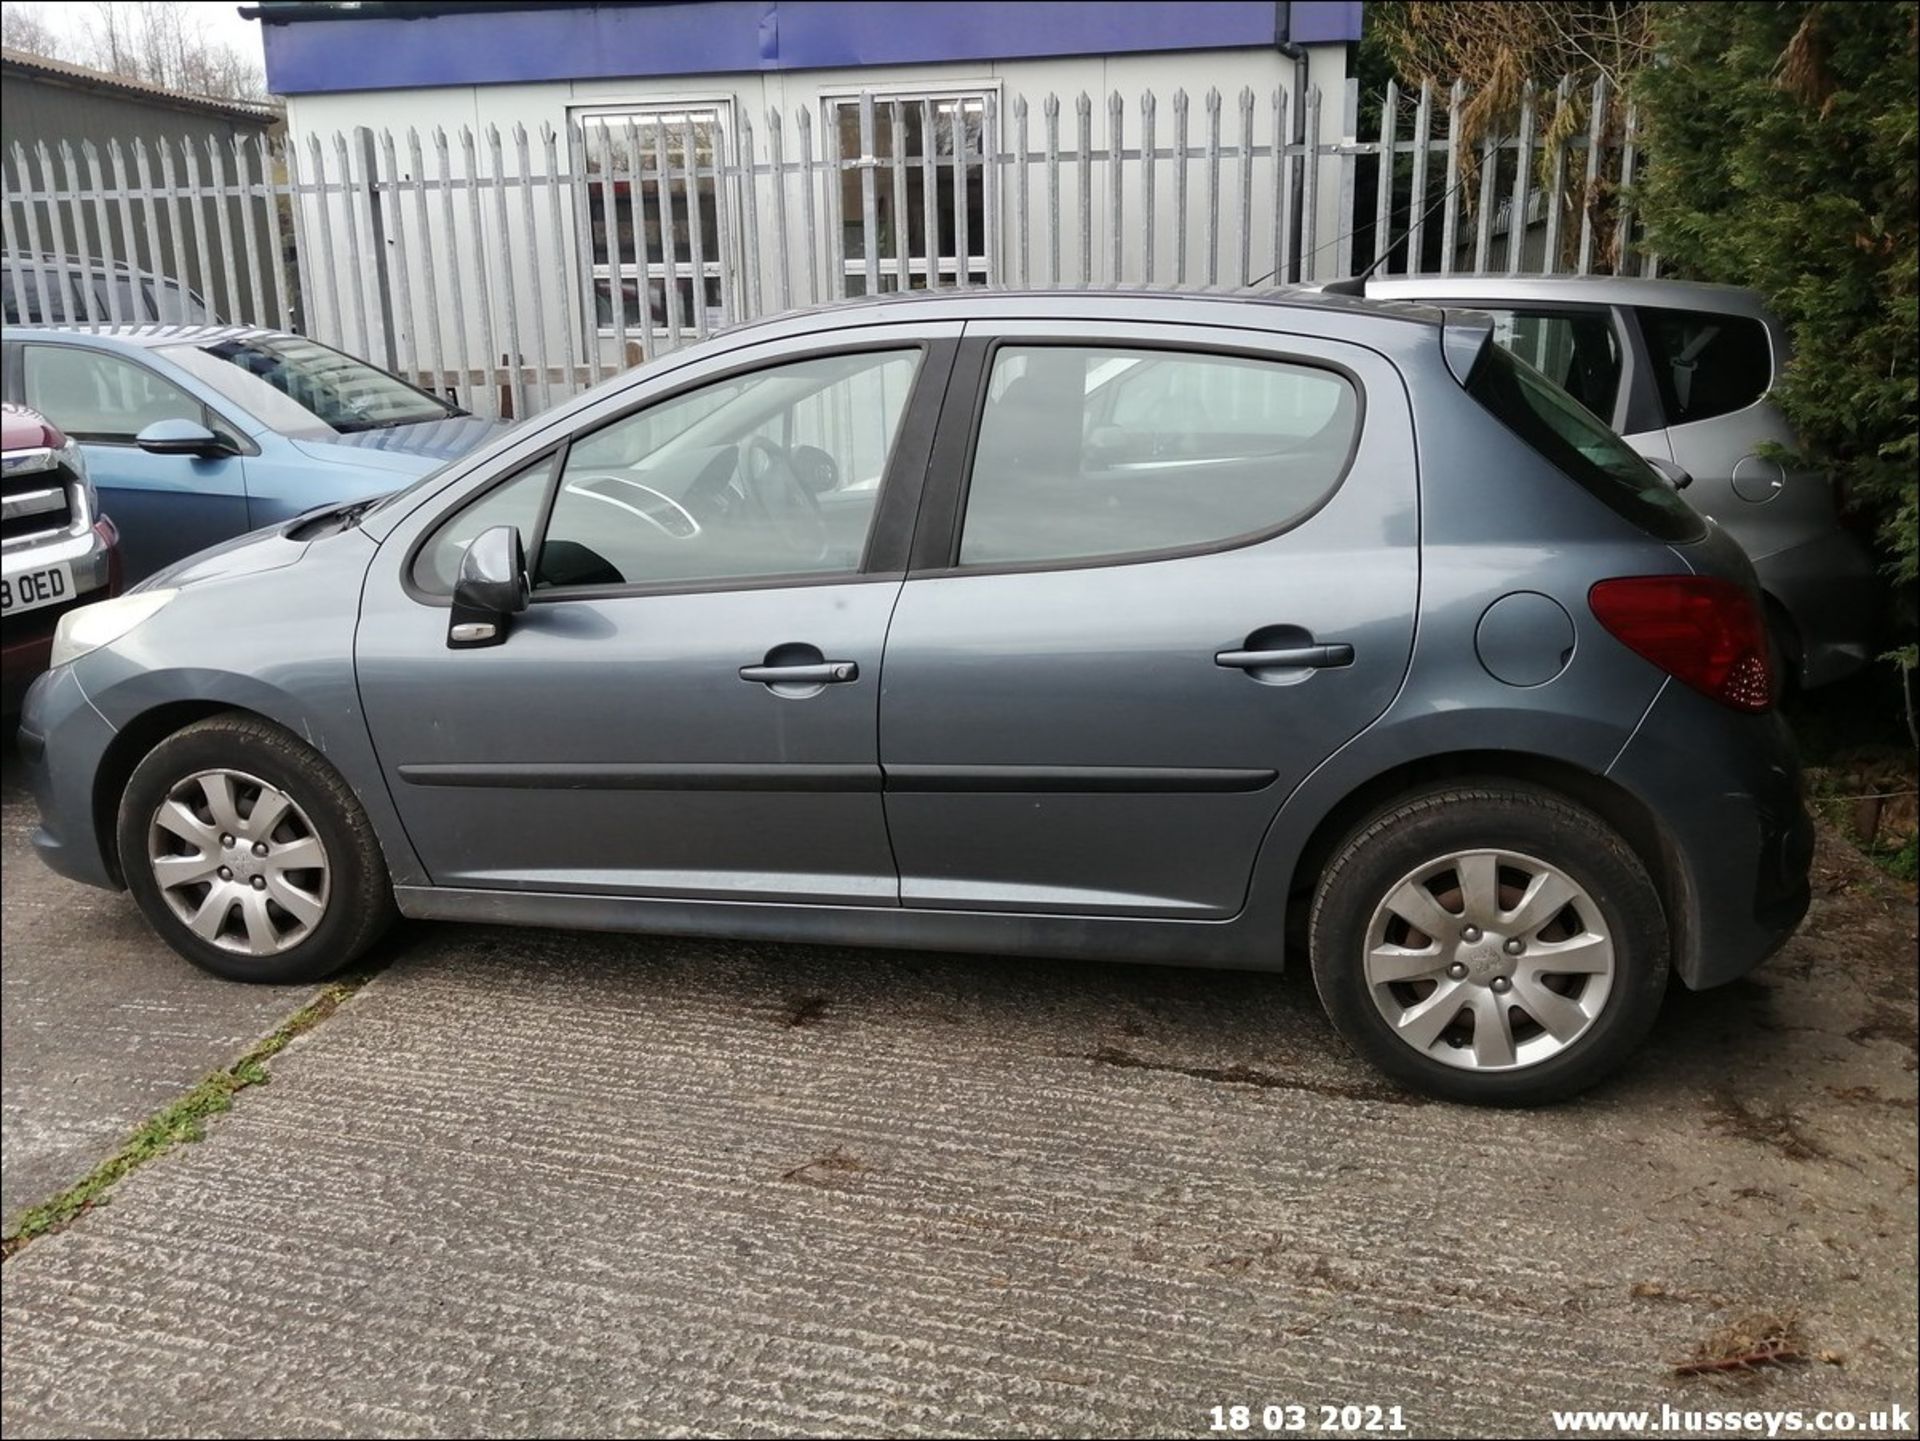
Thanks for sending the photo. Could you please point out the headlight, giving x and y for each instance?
(103, 623)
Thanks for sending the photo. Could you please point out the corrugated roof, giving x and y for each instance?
(66, 73)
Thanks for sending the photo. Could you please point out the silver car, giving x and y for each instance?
(1683, 371)
(1120, 625)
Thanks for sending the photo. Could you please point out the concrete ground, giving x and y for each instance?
(536, 1183)
(99, 1026)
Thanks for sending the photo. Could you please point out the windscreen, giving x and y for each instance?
(345, 394)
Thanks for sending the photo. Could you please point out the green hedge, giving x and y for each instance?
(1782, 145)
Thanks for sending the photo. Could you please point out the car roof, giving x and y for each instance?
(49, 259)
(147, 337)
(1264, 308)
(1585, 289)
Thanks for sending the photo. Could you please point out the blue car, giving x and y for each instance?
(194, 434)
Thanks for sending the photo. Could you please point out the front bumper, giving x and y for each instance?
(1726, 790)
(94, 556)
(68, 838)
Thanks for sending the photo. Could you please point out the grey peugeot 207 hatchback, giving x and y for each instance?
(1117, 625)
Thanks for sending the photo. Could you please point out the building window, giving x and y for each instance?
(913, 153)
(624, 148)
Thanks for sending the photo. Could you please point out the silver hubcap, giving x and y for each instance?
(239, 863)
(1489, 960)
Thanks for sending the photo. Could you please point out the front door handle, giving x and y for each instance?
(826, 672)
(1319, 657)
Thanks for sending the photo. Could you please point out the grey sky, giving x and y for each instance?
(221, 18)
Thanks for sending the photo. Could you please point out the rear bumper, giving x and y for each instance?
(1827, 589)
(1726, 789)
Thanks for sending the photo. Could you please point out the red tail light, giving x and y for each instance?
(1703, 631)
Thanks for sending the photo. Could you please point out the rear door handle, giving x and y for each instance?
(1317, 656)
(826, 672)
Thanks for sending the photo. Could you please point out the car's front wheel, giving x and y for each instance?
(1492, 944)
(249, 854)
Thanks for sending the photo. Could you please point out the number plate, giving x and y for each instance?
(32, 589)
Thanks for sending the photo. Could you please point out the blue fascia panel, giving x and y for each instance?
(717, 37)
(1324, 22)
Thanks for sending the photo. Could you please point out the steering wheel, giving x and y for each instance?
(706, 498)
(783, 500)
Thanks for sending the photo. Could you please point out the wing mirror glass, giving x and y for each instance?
(182, 437)
(816, 470)
(1674, 475)
(492, 588)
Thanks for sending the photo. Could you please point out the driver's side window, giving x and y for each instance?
(768, 474)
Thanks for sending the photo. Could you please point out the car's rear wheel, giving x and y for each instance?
(1492, 944)
(249, 855)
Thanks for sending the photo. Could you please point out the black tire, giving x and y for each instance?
(1431, 825)
(359, 900)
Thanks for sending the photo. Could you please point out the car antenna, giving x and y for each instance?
(1357, 284)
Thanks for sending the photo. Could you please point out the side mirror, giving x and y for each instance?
(492, 589)
(1674, 475)
(182, 437)
(814, 468)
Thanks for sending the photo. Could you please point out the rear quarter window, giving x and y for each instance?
(1566, 433)
(1706, 364)
(1575, 349)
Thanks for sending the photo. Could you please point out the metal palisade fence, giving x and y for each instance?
(508, 271)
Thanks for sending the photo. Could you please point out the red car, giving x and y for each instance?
(56, 550)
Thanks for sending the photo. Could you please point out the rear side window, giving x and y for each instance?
(17, 305)
(1706, 364)
(174, 304)
(1576, 349)
(23, 301)
(1090, 452)
(136, 307)
(1549, 420)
